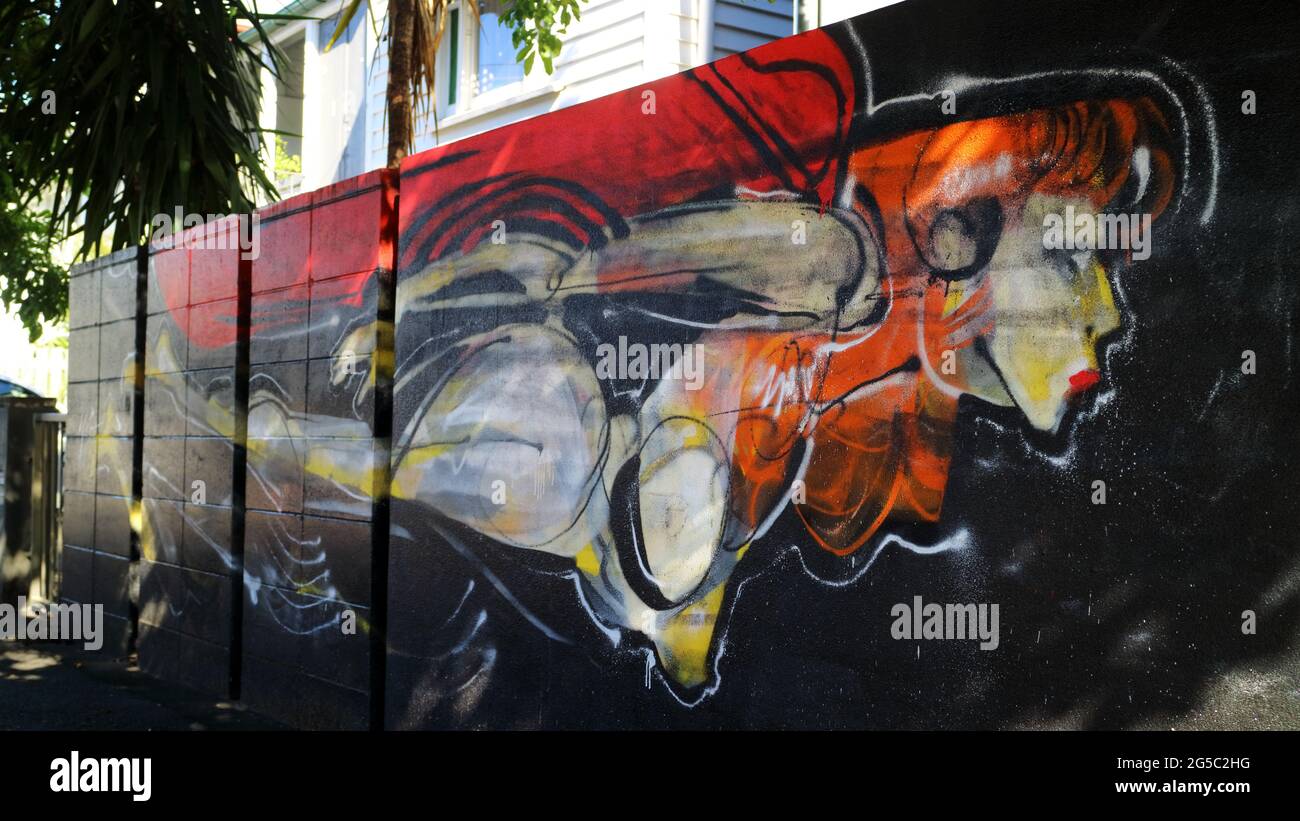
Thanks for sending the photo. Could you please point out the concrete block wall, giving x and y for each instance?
(100, 461)
(246, 567)
(313, 455)
(188, 559)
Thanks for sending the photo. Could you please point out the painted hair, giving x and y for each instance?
(954, 186)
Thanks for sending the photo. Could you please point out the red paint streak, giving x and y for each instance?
(1083, 380)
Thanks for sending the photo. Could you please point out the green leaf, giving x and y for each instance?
(344, 21)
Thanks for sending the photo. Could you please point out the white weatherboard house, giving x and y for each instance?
(335, 99)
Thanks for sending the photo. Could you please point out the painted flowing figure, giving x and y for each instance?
(765, 299)
(842, 272)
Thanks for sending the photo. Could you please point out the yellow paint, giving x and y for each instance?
(587, 560)
(953, 299)
(163, 352)
(1036, 365)
(412, 465)
(146, 535)
(137, 516)
(320, 462)
(1098, 306)
(426, 283)
(698, 437)
(684, 641)
(1038, 359)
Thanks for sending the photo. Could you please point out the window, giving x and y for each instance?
(453, 55)
(288, 146)
(476, 67)
(496, 55)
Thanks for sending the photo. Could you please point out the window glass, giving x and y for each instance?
(453, 54)
(496, 54)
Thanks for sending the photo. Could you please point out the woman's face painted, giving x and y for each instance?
(1047, 310)
(1002, 314)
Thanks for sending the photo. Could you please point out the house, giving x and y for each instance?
(329, 103)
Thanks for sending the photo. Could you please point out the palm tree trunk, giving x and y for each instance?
(401, 24)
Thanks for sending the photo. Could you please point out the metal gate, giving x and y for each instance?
(47, 503)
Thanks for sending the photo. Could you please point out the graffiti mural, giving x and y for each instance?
(682, 408)
(625, 373)
(313, 455)
(309, 445)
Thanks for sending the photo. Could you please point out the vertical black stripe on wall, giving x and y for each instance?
(137, 440)
(239, 463)
(385, 363)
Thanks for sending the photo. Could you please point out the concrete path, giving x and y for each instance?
(51, 687)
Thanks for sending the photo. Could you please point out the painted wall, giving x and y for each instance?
(259, 457)
(313, 453)
(691, 387)
(99, 460)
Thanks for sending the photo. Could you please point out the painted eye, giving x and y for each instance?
(953, 243)
(961, 241)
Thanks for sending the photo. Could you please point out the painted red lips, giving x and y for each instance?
(1083, 380)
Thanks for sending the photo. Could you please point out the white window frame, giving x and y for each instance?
(442, 83)
(503, 92)
(469, 100)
